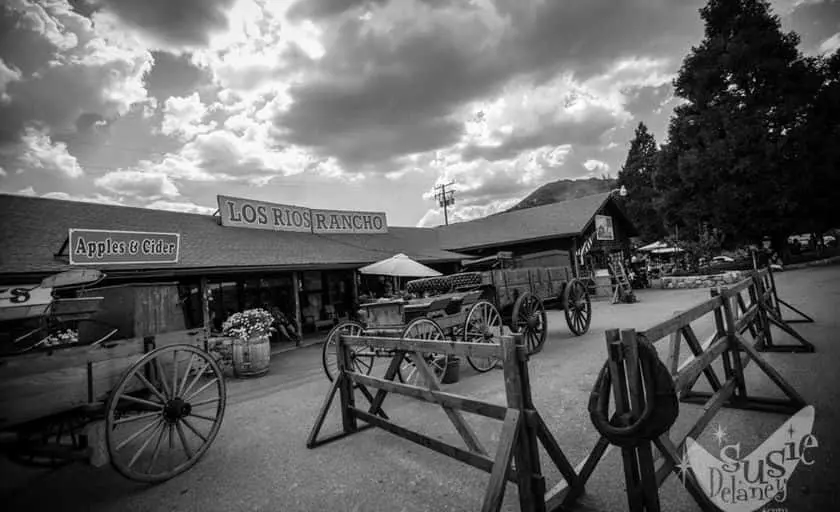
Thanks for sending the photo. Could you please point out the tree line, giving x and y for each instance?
(753, 150)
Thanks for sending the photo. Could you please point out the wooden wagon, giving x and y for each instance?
(455, 315)
(520, 295)
(147, 398)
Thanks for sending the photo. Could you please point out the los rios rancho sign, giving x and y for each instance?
(248, 213)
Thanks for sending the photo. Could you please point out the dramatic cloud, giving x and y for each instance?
(172, 24)
(37, 151)
(64, 68)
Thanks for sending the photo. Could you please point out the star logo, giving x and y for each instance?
(684, 465)
(719, 434)
(791, 430)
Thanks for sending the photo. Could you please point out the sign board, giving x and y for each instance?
(23, 301)
(604, 227)
(254, 214)
(101, 247)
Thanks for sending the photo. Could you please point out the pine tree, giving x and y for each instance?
(637, 176)
(730, 162)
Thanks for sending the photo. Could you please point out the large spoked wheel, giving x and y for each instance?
(164, 413)
(362, 363)
(529, 319)
(423, 329)
(483, 325)
(578, 307)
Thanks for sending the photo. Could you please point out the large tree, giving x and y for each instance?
(637, 176)
(731, 162)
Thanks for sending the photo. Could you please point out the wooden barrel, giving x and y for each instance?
(251, 358)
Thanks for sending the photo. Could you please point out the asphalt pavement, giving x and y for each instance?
(259, 461)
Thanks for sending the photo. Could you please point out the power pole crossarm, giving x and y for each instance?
(445, 199)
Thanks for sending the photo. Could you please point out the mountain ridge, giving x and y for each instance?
(564, 190)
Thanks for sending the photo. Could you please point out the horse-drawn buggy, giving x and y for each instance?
(106, 375)
(474, 306)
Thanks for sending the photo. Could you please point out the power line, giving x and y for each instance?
(445, 199)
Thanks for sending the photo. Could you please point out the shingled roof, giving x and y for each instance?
(34, 229)
(566, 218)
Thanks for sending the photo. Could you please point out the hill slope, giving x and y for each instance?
(564, 190)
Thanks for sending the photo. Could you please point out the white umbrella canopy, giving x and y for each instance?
(399, 265)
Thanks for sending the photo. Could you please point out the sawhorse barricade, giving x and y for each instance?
(764, 293)
(523, 427)
(642, 475)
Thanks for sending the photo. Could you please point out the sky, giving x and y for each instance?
(340, 104)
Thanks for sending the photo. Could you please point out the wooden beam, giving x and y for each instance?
(298, 314)
(665, 328)
(457, 348)
(432, 396)
(500, 473)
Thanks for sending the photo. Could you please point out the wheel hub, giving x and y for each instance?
(532, 322)
(176, 409)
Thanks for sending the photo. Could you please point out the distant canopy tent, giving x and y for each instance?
(653, 247)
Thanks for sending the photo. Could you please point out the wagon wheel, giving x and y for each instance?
(483, 325)
(164, 413)
(362, 363)
(577, 307)
(423, 329)
(529, 319)
(50, 443)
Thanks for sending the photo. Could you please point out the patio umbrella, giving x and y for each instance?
(399, 265)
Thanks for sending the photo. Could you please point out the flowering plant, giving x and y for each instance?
(65, 337)
(248, 324)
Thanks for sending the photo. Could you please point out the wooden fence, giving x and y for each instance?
(746, 309)
(522, 429)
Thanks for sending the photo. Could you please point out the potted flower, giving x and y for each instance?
(250, 330)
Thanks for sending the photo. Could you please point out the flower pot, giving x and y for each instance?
(252, 357)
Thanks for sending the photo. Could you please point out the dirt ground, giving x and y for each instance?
(259, 461)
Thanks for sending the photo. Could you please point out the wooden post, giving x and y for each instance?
(526, 454)
(203, 290)
(575, 263)
(732, 347)
(346, 387)
(674, 354)
(298, 316)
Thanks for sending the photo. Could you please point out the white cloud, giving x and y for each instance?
(183, 206)
(96, 198)
(596, 166)
(7, 75)
(149, 185)
(36, 150)
(182, 116)
(830, 45)
(28, 191)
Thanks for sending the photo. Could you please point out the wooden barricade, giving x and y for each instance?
(766, 296)
(517, 456)
(728, 344)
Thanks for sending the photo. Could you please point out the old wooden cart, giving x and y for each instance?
(475, 306)
(147, 398)
(453, 315)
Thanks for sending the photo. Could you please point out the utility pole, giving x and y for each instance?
(445, 199)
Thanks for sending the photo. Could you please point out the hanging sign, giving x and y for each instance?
(604, 227)
(101, 247)
(23, 301)
(249, 213)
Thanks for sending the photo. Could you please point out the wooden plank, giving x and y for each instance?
(688, 374)
(508, 440)
(694, 345)
(674, 350)
(563, 494)
(739, 286)
(475, 460)
(458, 421)
(771, 372)
(709, 410)
(34, 363)
(312, 439)
(671, 455)
(665, 328)
(432, 396)
(189, 337)
(458, 348)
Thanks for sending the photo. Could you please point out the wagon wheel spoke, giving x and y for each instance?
(151, 387)
(158, 425)
(148, 403)
(156, 451)
(162, 378)
(183, 438)
(181, 387)
(136, 417)
(193, 429)
(137, 434)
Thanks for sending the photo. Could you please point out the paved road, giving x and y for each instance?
(259, 461)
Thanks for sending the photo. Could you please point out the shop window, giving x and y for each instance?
(190, 296)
